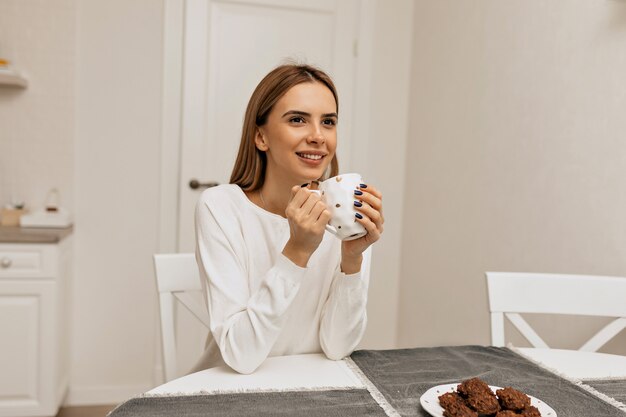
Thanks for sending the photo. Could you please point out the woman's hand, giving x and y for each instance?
(371, 211)
(308, 217)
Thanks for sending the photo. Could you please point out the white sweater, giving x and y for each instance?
(260, 303)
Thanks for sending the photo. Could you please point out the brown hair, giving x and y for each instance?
(250, 165)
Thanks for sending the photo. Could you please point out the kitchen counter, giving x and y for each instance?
(16, 234)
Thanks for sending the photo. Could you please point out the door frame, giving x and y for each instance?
(171, 111)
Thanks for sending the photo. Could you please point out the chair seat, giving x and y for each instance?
(578, 364)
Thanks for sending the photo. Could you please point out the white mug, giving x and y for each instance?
(338, 194)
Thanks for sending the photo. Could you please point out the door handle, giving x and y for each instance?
(6, 263)
(194, 184)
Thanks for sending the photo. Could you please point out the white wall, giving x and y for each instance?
(385, 164)
(37, 123)
(517, 157)
(118, 115)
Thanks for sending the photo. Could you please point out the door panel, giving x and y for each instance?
(244, 60)
(228, 48)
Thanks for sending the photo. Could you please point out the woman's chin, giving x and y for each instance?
(312, 175)
(308, 174)
(311, 178)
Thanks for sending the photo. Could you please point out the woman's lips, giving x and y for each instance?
(309, 160)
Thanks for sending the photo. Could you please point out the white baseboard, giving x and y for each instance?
(103, 395)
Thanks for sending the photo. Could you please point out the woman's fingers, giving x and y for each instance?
(370, 195)
(373, 191)
(307, 209)
(301, 203)
(369, 211)
(312, 200)
(324, 217)
(373, 230)
(320, 213)
(298, 196)
(374, 216)
(369, 202)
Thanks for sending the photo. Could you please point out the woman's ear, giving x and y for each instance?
(260, 141)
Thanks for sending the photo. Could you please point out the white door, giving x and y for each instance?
(228, 47)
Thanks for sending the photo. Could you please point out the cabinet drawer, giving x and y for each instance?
(27, 261)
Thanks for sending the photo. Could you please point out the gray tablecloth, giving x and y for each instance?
(402, 376)
(340, 403)
(614, 388)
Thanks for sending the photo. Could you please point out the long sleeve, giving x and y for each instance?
(245, 319)
(344, 316)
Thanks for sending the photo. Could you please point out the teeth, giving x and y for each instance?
(307, 156)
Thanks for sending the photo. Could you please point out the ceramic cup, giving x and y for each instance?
(338, 194)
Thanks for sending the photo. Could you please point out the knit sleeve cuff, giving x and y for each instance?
(289, 270)
(349, 281)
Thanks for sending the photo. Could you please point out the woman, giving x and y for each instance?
(275, 282)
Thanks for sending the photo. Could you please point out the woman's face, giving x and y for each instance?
(300, 135)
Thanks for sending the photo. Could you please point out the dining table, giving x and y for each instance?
(392, 382)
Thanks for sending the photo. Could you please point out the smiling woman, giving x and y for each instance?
(249, 170)
(299, 137)
(276, 283)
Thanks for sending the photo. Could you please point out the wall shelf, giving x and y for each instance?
(12, 79)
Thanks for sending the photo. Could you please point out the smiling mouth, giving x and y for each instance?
(310, 156)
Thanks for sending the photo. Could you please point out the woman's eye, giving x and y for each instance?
(296, 120)
(330, 122)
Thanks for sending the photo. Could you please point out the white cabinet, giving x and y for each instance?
(34, 324)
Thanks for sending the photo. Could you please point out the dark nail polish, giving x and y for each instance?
(363, 185)
(358, 215)
(357, 192)
(358, 203)
(304, 185)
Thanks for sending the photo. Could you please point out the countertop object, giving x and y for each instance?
(58, 218)
(16, 234)
(11, 78)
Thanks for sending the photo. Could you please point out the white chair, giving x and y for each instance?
(177, 278)
(514, 293)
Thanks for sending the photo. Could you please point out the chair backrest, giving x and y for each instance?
(511, 293)
(177, 278)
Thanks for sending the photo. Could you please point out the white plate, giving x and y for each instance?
(430, 400)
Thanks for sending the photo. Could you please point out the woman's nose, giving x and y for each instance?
(316, 136)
